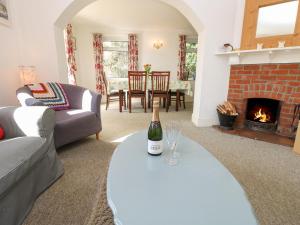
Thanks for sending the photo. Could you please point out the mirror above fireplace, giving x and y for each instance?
(277, 19)
(259, 28)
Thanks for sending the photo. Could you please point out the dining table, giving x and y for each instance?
(121, 85)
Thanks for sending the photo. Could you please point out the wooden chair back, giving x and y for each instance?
(160, 81)
(105, 84)
(137, 81)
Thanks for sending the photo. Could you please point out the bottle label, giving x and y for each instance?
(155, 147)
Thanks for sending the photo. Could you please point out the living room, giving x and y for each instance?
(231, 157)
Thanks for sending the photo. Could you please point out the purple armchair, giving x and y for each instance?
(81, 120)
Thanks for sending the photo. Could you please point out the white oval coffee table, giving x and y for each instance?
(144, 190)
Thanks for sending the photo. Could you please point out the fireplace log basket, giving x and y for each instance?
(226, 121)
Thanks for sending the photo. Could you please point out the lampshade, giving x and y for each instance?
(157, 44)
(27, 75)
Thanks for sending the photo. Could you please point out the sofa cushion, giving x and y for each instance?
(17, 156)
(66, 116)
(74, 124)
(2, 133)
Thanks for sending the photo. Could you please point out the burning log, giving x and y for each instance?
(261, 116)
(227, 108)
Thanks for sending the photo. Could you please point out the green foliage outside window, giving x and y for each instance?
(115, 58)
(191, 59)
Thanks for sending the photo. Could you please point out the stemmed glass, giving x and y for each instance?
(173, 130)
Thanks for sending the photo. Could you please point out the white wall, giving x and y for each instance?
(9, 79)
(9, 61)
(165, 58)
(30, 40)
(115, 19)
(41, 23)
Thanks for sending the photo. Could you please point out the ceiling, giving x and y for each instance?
(133, 15)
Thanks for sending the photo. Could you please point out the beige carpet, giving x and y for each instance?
(270, 174)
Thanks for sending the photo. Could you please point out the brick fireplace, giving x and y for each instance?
(279, 82)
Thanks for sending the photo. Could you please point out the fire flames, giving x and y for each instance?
(261, 116)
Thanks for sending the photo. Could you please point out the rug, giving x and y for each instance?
(269, 173)
(101, 213)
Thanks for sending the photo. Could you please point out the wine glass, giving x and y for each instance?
(173, 130)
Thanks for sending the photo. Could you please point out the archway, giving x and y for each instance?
(76, 5)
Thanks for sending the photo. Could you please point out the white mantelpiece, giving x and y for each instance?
(266, 55)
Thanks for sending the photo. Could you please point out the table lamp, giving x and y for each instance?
(27, 75)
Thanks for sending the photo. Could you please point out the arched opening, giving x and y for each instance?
(179, 5)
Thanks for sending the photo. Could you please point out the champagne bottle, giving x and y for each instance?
(155, 134)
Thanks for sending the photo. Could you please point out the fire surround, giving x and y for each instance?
(273, 81)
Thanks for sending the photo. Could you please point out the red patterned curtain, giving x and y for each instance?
(181, 57)
(70, 54)
(98, 55)
(132, 52)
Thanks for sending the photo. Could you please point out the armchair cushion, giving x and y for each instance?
(27, 121)
(17, 156)
(26, 98)
(82, 98)
(2, 133)
(74, 124)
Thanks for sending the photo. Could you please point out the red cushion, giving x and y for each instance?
(2, 134)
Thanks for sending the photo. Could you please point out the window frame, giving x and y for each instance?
(115, 49)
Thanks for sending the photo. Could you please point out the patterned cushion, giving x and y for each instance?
(2, 133)
(51, 94)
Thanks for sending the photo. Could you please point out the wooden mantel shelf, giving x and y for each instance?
(265, 55)
(264, 50)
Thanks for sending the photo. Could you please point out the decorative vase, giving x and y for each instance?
(147, 68)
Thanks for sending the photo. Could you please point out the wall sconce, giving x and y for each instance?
(158, 44)
(27, 75)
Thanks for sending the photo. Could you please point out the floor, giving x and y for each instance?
(259, 135)
(269, 173)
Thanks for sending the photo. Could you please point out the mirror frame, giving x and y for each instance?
(249, 39)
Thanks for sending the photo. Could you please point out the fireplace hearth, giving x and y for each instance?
(262, 114)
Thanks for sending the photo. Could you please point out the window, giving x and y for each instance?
(115, 56)
(191, 59)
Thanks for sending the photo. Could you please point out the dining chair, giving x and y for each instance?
(177, 96)
(137, 82)
(115, 95)
(160, 81)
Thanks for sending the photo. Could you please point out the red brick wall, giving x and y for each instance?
(275, 81)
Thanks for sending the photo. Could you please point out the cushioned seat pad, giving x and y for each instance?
(66, 116)
(74, 124)
(17, 155)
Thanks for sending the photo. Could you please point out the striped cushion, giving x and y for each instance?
(51, 94)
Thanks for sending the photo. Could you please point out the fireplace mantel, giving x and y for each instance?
(263, 56)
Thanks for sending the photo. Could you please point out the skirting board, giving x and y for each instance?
(204, 121)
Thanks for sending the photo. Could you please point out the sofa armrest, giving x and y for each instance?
(82, 98)
(92, 102)
(27, 121)
(25, 97)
